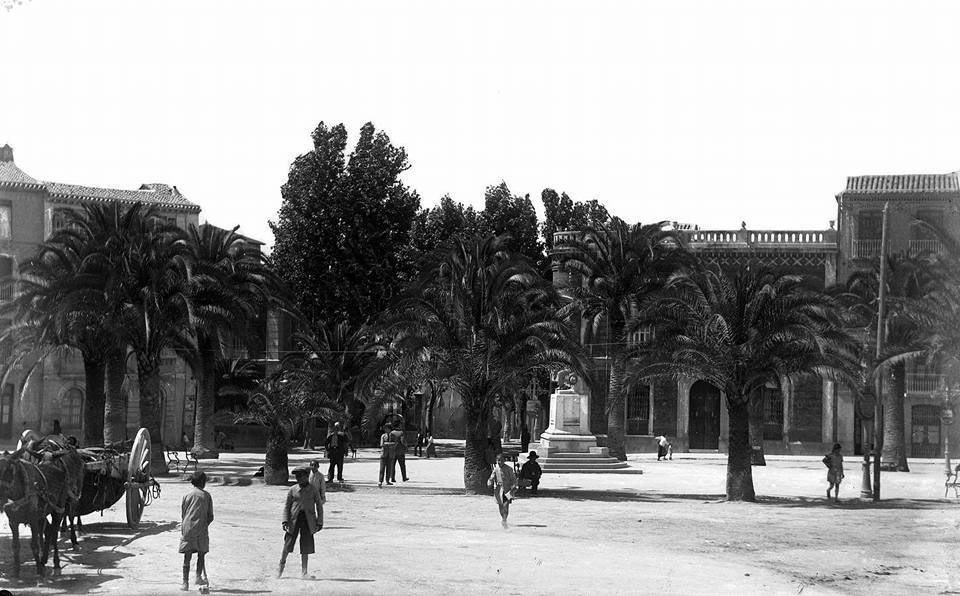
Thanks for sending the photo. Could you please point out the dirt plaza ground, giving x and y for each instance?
(666, 531)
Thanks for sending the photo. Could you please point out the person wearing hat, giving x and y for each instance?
(388, 455)
(301, 516)
(336, 445)
(197, 514)
(531, 472)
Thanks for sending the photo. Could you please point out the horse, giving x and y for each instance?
(62, 468)
(22, 483)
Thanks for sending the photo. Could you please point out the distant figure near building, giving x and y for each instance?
(301, 517)
(834, 463)
(531, 472)
(56, 427)
(196, 516)
(504, 483)
(664, 448)
(418, 448)
(431, 448)
(336, 444)
(388, 455)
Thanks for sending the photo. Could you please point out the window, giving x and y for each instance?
(772, 414)
(869, 225)
(640, 336)
(71, 409)
(62, 217)
(6, 215)
(638, 410)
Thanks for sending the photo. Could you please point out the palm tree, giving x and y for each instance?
(231, 287)
(278, 403)
(489, 318)
(619, 266)
(907, 281)
(158, 316)
(738, 332)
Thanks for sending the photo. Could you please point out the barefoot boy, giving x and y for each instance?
(197, 513)
(834, 463)
(301, 515)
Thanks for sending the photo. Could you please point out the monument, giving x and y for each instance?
(569, 430)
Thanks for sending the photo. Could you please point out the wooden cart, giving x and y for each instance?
(112, 474)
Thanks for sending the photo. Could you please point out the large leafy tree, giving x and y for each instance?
(487, 318)
(739, 331)
(231, 287)
(342, 235)
(561, 214)
(514, 216)
(615, 268)
(434, 227)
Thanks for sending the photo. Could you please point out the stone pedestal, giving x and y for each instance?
(569, 430)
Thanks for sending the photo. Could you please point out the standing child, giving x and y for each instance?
(196, 516)
(388, 455)
(319, 483)
(301, 515)
(504, 483)
(431, 448)
(834, 463)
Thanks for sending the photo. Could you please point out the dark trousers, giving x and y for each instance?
(387, 463)
(336, 461)
(402, 460)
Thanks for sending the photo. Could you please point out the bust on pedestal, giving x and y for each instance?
(569, 430)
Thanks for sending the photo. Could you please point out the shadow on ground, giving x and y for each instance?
(97, 553)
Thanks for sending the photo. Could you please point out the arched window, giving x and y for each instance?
(71, 409)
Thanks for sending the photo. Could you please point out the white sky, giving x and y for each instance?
(704, 112)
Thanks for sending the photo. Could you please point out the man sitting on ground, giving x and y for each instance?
(530, 472)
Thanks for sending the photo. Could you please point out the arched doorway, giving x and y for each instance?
(704, 430)
(71, 411)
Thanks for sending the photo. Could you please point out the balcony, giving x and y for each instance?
(865, 249)
(924, 382)
(791, 240)
(918, 247)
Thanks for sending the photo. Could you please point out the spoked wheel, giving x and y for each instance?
(138, 478)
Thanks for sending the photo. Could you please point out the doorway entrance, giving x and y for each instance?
(925, 431)
(704, 417)
(6, 412)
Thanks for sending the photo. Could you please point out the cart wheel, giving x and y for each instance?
(26, 436)
(138, 473)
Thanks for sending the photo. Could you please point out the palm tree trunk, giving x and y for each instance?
(756, 430)
(476, 468)
(615, 413)
(894, 458)
(739, 472)
(93, 372)
(115, 418)
(430, 407)
(204, 443)
(148, 381)
(275, 468)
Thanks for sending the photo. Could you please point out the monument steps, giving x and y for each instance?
(584, 463)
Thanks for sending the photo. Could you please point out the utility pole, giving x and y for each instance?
(881, 336)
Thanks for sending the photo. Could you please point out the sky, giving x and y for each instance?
(707, 112)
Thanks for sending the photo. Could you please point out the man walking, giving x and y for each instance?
(401, 442)
(388, 454)
(504, 483)
(336, 445)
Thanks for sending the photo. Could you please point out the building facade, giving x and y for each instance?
(806, 416)
(30, 211)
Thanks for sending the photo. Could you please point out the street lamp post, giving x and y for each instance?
(946, 416)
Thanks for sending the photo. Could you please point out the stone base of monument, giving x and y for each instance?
(567, 447)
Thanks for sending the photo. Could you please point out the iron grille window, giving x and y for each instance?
(772, 414)
(869, 225)
(71, 409)
(638, 410)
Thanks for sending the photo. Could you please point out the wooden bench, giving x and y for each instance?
(952, 482)
(173, 459)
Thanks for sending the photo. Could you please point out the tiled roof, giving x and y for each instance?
(12, 176)
(903, 183)
(160, 194)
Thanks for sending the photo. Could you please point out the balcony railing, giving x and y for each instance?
(866, 248)
(763, 237)
(924, 246)
(923, 382)
(6, 291)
